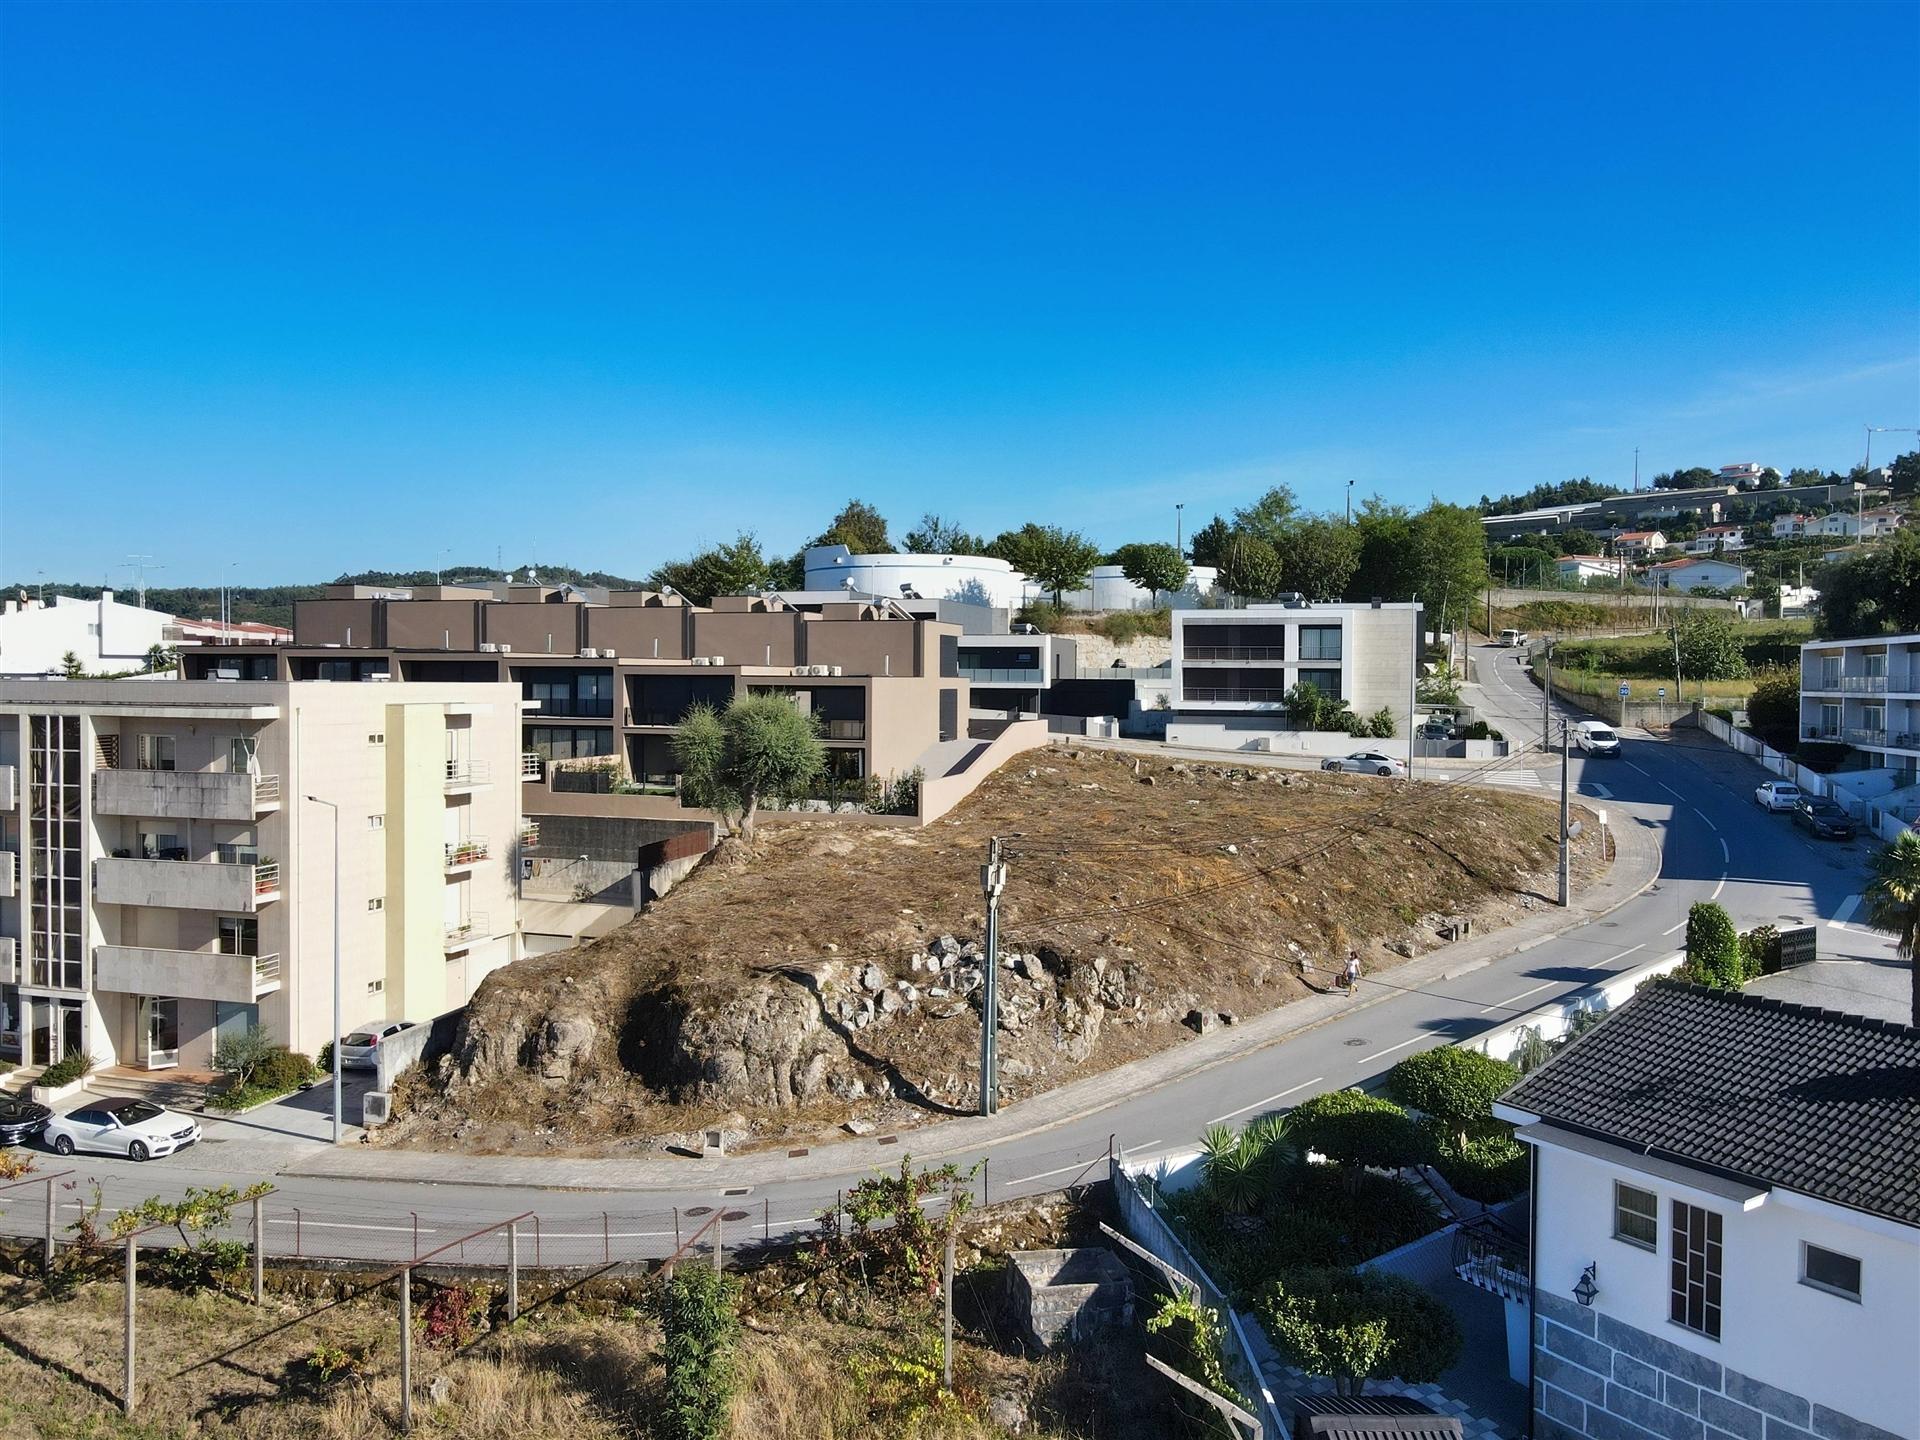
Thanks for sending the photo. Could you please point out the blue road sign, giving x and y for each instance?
(1625, 690)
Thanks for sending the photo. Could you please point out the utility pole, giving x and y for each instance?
(993, 879)
(140, 564)
(1179, 533)
(1349, 502)
(1546, 703)
(1636, 469)
(1566, 816)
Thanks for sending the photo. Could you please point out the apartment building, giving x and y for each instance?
(1793, 526)
(164, 878)
(614, 679)
(1867, 524)
(1865, 693)
(1241, 663)
(1716, 539)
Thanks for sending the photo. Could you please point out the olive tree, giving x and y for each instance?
(732, 760)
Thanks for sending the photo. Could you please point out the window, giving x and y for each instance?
(378, 902)
(239, 935)
(375, 987)
(1694, 1294)
(1319, 642)
(1327, 682)
(376, 739)
(1876, 664)
(1830, 1271)
(156, 752)
(376, 822)
(1636, 1216)
(1829, 672)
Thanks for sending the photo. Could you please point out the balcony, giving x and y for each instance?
(467, 775)
(9, 874)
(844, 729)
(185, 974)
(465, 854)
(462, 935)
(1854, 735)
(993, 675)
(529, 833)
(185, 884)
(1274, 654)
(9, 786)
(185, 794)
(1863, 684)
(1208, 695)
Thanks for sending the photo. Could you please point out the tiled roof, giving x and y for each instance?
(1814, 1101)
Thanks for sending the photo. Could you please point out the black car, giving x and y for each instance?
(21, 1119)
(1823, 818)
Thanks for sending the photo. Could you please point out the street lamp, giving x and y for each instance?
(1587, 1286)
(1179, 535)
(336, 961)
(1349, 502)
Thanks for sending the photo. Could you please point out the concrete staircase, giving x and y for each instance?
(173, 1089)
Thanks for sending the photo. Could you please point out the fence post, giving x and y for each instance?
(126, 1384)
(259, 1250)
(536, 1242)
(946, 1346)
(983, 1181)
(416, 1233)
(296, 1232)
(676, 1227)
(513, 1270)
(606, 1239)
(766, 1220)
(46, 1260)
(719, 1225)
(406, 1349)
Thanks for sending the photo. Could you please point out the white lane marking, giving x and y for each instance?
(1718, 888)
(1703, 815)
(1670, 790)
(306, 1224)
(1681, 926)
(1503, 1004)
(1726, 855)
(1390, 1049)
(1631, 766)
(1218, 1119)
(1845, 912)
(1623, 954)
(1602, 791)
(1063, 1170)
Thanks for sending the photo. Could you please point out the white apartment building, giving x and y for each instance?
(165, 880)
(1716, 539)
(1726, 1231)
(1868, 524)
(104, 634)
(1747, 474)
(1865, 693)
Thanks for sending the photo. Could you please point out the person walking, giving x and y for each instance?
(1353, 971)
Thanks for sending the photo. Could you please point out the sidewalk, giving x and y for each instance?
(1637, 858)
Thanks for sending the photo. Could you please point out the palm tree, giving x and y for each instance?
(1893, 902)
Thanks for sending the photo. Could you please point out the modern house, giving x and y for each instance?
(166, 879)
(1578, 569)
(1232, 668)
(1014, 674)
(1865, 693)
(1745, 474)
(1695, 572)
(103, 635)
(1726, 1223)
(1716, 539)
(1639, 543)
(1868, 524)
(1792, 527)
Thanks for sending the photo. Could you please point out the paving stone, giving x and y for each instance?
(1545, 1427)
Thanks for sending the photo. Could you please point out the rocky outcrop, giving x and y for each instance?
(766, 1044)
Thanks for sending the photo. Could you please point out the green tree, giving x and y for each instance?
(1269, 517)
(1690, 479)
(1799, 475)
(1359, 1325)
(1385, 566)
(160, 658)
(1153, 567)
(1873, 592)
(731, 569)
(1453, 1085)
(1893, 903)
(1355, 1129)
(1541, 497)
(1709, 646)
(1713, 947)
(1449, 558)
(70, 666)
(1057, 560)
(731, 761)
(699, 1330)
(934, 536)
(1773, 708)
(859, 527)
(1905, 473)
(1318, 556)
(1209, 543)
(203, 1257)
(1250, 568)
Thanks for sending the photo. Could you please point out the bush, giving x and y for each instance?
(1353, 1128)
(1720, 712)
(1381, 726)
(1043, 615)
(452, 1316)
(698, 1329)
(1480, 730)
(1455, 1086)
(1713, 948)
(65, 1072)
(1759, 952)
(1122, 626)
(1532, 1051)
(1360, 1325)
(1488, 1167)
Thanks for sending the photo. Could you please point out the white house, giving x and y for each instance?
(106, 634)
(1578, 569)
(1716, 539)
(1869, 523)
(1639, 542)
(1796, 601)
(1789, 527)
(1694, 572)
(1726, 1200)
(1747, 474)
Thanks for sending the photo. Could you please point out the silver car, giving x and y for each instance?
(121, 1125)
(1367, 762)
(360, 1050)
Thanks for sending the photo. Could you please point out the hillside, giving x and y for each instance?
(833, 973)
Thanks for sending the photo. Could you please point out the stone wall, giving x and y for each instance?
(1598, 1379)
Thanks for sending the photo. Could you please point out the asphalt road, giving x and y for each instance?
(1715, 842)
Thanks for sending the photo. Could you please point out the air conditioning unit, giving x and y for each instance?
(488, 647)
(504, 648)
(716, 659)
(803, 670)
(697, 660)
(835, 670)
(606, 654)
(818, 670)
(587, 652)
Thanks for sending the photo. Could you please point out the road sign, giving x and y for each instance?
(1662, 692)
(1625, 690)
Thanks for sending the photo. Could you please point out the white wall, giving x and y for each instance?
(1858, 1358)
(1108, 589)
(104, 633)
(973, 578)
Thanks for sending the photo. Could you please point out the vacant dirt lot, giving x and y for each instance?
(832, 973)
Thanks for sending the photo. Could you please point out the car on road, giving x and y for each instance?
(121, 1125)
(1596, 737)
(360, 1049)
(1777, 795)
(1823, 818)
(1511, 638)
(1367, 762)
(21, 1119)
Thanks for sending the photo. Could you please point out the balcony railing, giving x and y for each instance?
(1275, 653)
(1855, 735)
(465, 932)
(1864, 684)
(266, 973)
(185, 794)
(470, 851)
(1221, 696)
(529, 833)
(187, 974)
(266, 879)
(9, 786)
(846, 729)
(465, 774)
(996, 675)
(9, 874)
(530, 766)
(1491, 1256)
(9, 960)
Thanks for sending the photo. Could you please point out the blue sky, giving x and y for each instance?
(315, 289)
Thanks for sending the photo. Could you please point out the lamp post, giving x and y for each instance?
(336, 961)
(1349, 502)
(1179, 533)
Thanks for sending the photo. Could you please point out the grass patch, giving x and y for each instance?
(1645, 662)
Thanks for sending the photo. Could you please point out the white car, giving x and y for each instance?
(121, 1125)
(1777, 795)
(1367, 762)
(1596, 737)
(359, 1050)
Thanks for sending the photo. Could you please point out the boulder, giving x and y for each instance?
(873, 979)
(1201, 1022)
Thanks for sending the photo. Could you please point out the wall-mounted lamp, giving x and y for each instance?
(1586, 1288)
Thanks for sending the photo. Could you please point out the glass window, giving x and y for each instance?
(1831, 1271)
(1694, 1288)
(239, 935)
(1327, 682)
(1636, 1216)
(1319, 642)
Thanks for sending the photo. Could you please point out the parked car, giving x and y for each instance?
(1438, 730)
(360, 1049)
(1823, 818)
(21, 1119)
(120, 1125)
(1777, 795)
(1367, 762)
(1596, 737)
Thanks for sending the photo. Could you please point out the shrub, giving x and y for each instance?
(1380, 726)
(1759, 952)
(1043, 615)
(1720, 712)
(1196, 1344)
(242, 1053)
(65, 1072)
(452, 1316)
(1713, 947)
(698, 1329)
(1532, 1051)
(1489, 1168)
(1480, 730)
(1454, 1085)
(1360, 1325)
(1353, 1128)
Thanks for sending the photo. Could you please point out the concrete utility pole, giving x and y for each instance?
(1179, 535)
(338, 1033)
(1566, 814)
(993, 879)
(1546, 703)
